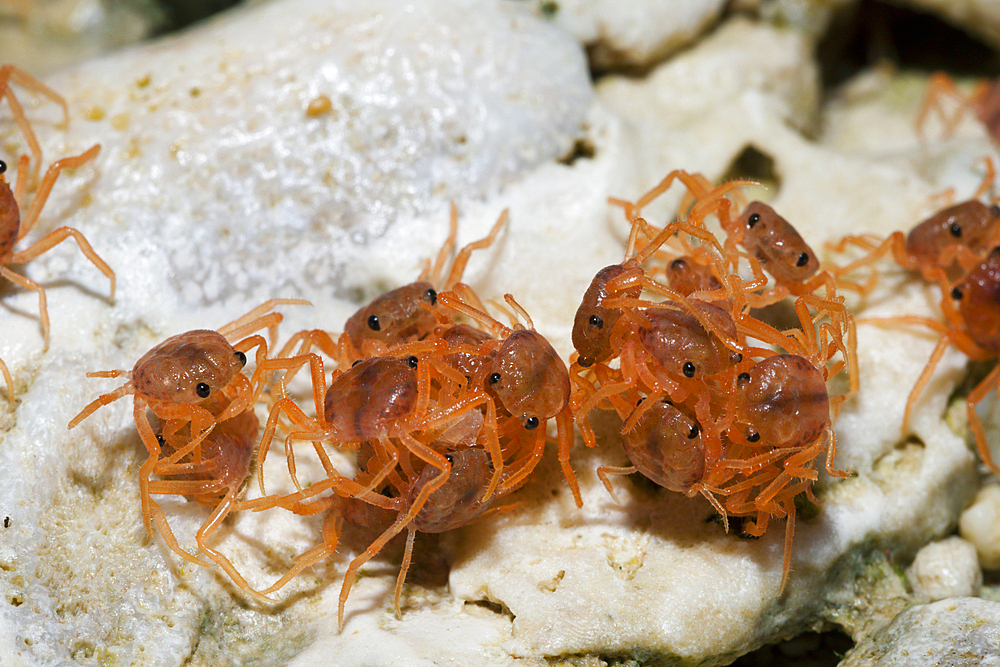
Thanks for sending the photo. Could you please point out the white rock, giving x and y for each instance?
(214, 191)
(960, 632)
(632, 34)
(980, 524)
(946, 569)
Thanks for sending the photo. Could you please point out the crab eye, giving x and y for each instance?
(450, 459)
(202, 389)
(994, 210)
(753, 220)
(3, 167)
(694, 432)
(494, 378)
(742, 378)
(160, 439)
(531, 423)
(955, 230)
(956, 294)
(373, 323)
(688, 369)
(242, 357)
(753, 436)
(803, 259)
(596, 322)
(678, 264)
(431, 296)
(412, 362)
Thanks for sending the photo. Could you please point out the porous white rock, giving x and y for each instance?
(960, 632)
(980, 525)
(948, 568)
(215, 190)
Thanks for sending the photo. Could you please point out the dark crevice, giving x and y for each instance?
(583, 149)
(864, 34)
(755, 165)
(815, 649)
(180, 14)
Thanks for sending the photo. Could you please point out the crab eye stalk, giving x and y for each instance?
(531, 423)
(596, 322)
(202, 389)
(373, 323)
(242, 357)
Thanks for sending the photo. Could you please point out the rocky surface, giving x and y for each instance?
(958, 632)
(318, 161)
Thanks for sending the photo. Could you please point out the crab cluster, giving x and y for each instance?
(706, 408)
(444, 409)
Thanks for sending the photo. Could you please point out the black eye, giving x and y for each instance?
(202, 390)
(160, 439)
(431, 296)
(356, 363)
(242, 357)
(494, 378)
(6, 519)
(450, 459)
(739, 357)
(753, 436)
(596, 321)
(803, 259)
(753, 219)
(694, 432)
(994, 210)
(3, 167)
(955, 230)
(678, 264)
(373, 323)
(742, 378)
(640, 401)
(531, 423)
(956, 294)
(689, 369)
(412, 362)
